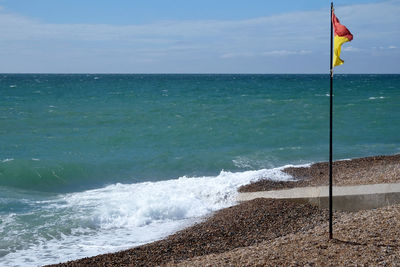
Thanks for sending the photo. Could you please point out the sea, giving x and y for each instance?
(96, 163)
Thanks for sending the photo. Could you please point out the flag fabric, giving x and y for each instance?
(342, 35)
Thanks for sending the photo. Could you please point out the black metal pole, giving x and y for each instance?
(330, 134)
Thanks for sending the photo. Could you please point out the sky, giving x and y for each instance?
(186, 36)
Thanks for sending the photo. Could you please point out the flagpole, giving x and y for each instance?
(330, 132)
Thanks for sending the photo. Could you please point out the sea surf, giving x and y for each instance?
(94, 163)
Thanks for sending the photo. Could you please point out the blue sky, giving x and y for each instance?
(224, 36)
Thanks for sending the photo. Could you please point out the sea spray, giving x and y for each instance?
(87, 162)
(118, 216)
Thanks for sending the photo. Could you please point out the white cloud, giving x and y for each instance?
(175, 45)
(286, 52)
(276, 53)
(351, 49)
(237, 55)
(385, 48)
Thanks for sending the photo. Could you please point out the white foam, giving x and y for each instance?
(120, 216)
(136, 205)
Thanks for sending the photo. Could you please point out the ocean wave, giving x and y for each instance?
(117, 216)
(48, 176)
(186, 197)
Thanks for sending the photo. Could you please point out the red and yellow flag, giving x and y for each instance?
(342, 35)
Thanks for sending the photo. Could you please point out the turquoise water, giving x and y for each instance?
(65, 140)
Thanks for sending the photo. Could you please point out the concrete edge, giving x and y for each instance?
(348, 198)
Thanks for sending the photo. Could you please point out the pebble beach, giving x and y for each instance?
(267, 232)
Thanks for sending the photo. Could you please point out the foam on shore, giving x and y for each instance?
(116, 217)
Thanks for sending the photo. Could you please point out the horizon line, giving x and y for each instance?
(185, 73)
